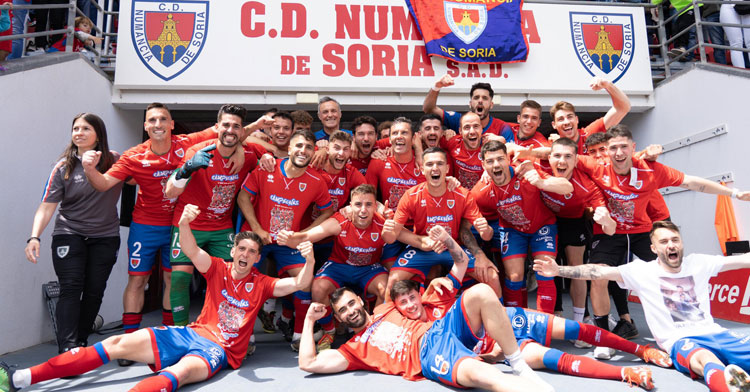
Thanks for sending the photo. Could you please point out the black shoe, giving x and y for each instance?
(266, 319)
(285, 328)
(6, 378)
(626, 329)
(125, 362)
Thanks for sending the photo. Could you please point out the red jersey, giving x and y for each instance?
(358, 247)
(657, 208)
(584, 133)
(425, 211)
(389, 344)
(230, 308)
(360, 164)
(467, 167)
(393, 179)
(340, 186)
(535, 141)
(572, 205)
(281, 202)
(629, 196)
(518, 205)
(151, 172)
(213, 189)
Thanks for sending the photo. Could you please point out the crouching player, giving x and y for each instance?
(184, 355)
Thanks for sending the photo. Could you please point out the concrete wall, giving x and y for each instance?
(38, 104)
(693, 101)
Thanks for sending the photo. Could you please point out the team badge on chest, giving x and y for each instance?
(302, 186)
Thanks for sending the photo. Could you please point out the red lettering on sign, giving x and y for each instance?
(347, 23)
(452, 68)
(247, 27)
(403, 60)
(473, 71)
(359, 60)
(421, 65)
(496, 70)
(529, 27)
(404, 26)
(336, 65)
(293, 20)
(376, 60)
(382, 60)
(382, 22)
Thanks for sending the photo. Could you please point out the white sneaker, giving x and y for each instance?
(580, 344)
(737, 379)
(605, 353)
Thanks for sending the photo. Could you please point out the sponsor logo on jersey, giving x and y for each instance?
(269, 178)
(472, 20)
(135, 262)
(518, 321)
(422, 203)
(240, 303)
(281, 200)
(603, 42)
(225, 177)
(302, 186)
(62, 251)
(145, 163)
(440, 218)
(343, 233)
(162, 173)
(168, 36)
(249, 287)
(450, 203)
(544, 230)
(78, 178)
(387, 165)
(605, 179)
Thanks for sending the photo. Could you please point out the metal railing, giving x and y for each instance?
(103, 51)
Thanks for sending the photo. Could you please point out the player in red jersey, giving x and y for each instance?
(529, 119)
(464, 150)
(149, 164)
(186, 355)
(523, 221)
(212, 187)
(565, 121)
(391, 343)
(432, 204)
(481, 96)
(628, 184)
(271, 202)
(365, 137)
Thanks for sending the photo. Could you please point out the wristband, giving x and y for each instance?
(433, 88)
(34, 238)
(735, 192)
(178, 183)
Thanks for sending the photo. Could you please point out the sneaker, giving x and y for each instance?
(251, 348)
(285, 328)
(266, 319)
(295, 345)
(737, 379)
(6, 378)
(657, 357)
(125, 362)
(325, 342)
(676, 52)
(625, 329)
(638, 375)
(580, 343)
(605, 353)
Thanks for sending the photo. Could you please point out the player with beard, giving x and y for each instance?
(355, 260)
(185, 355)
(513, 204)
(271, 202)
(427, 205)
(149, 164)
(464, 149)
(565, 120)
(365, 136)
(391, 343)
(213, 190)
(628, 184)
(699, 347)
(480, 102)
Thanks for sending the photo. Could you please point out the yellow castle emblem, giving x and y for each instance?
(604, 47)
(169, 37)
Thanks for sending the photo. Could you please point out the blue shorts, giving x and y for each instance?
(495, 243)
(518, 244)
(446, 344)
(530, 325)
(286, 258)
(144, 243)
(344, 274)
(170, 344)
(730, 347)
(419, 262)
(391, 252)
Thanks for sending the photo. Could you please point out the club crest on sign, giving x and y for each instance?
(168, 36)
(466, 21)
(62, 251)
(604, 43)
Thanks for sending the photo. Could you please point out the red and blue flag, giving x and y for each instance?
(468, 31)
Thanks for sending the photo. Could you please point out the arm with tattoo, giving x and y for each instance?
(547, 266)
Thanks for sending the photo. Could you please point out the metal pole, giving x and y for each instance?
(699, 31)
(663, 40)
(71, 26)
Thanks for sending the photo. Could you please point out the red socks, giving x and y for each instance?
(74, 362)
(165, 381)
(600, 337)
(166, 317)
(546, 295)
(131, 322)
(576, 365)
(302, 301)
(713, 375)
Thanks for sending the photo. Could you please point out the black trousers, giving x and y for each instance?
(57, 19)
(82, 265)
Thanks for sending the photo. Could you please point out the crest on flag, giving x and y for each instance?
(168, 36)
(604, 43)
(467, 21)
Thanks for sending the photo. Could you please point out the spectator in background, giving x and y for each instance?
(5, 29)
(302, 120)
(710, 13)
(384, 129)
(686, 17)
(19, 22)
(86, 237)
(83, 37)
(738, 37)
(56, 19)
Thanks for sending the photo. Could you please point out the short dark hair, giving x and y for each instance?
(564, 141)
(403, 287)
(306, 133)
(429, 116)
(483, 86)
(433, 150)
(361, 120)
(663, 224)
(492, 145)
(301, 117)
(561, 105)
(285, 116)
(596, 138)
(229, 108)
(402, 119)
(337, 294)
(248, 235)
(158, 105)
(340, 135)
(619, 130)
(530, 103)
